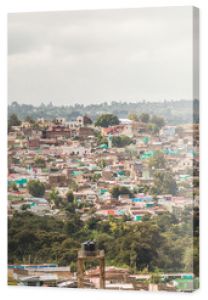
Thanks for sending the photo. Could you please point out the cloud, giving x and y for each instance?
(91, 56)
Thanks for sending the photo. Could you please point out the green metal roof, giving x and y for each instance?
(121, 173)
(77, 173)
(146, 139)
(147, 155)
(103, 146)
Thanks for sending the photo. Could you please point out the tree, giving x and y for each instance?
(56, 199)
(87, 120)
(133, 117)
(95, 177)
(73, 225)
(30, 120)
(153, 128)
(14, 187)
(131, 151)
(165, 221)
(143, 189)
(25, 206)
(102, 163)
(144, 118)
(158, 121)
(73, 185)
(70, 197)
(53, 196)
(156, 277)
(164, 183)
(116, 191)
(121, 141)
(40, 162)
(36, 188)
(106, 120)
(157, 161)
(159, 243)
(13, 121)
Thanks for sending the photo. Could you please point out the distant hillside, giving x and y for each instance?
(174, 112)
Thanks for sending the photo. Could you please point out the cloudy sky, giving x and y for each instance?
(96, 56)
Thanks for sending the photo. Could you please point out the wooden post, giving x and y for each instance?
(82, 257)
(102, 273)
(80, 272)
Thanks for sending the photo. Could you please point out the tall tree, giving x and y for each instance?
(106, 120)
(133, 117)
(144, 117)
(164, 183)
(157, 161)
(158, 121)
(70, 196)
(36, 188)
(121, 141)
(13, 121)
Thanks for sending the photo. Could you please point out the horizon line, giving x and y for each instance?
(51, 103)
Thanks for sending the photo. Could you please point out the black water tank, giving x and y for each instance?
(89, 246)
(86, 246)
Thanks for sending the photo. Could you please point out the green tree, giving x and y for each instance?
(95, 177)
(164, 183)
(153, 128)
(25, 206)
(53, 196)
(39, 162)
(30, 120)
(73, 185)
(13, 121)
(144, 117)
(156, 277)
(102, 163)
(70, 197)
(133, 117)
(131, 151)
(157, 161)
(165, 221)
(159, 243)
(107, 120)
(116, 191)
(158, 121)
(27, 241)
(36, 188)
(14, 186)
(73, 224)
(121, 141)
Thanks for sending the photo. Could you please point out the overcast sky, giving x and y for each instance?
(96, 56)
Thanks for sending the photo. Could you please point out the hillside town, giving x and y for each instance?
(129, 170)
